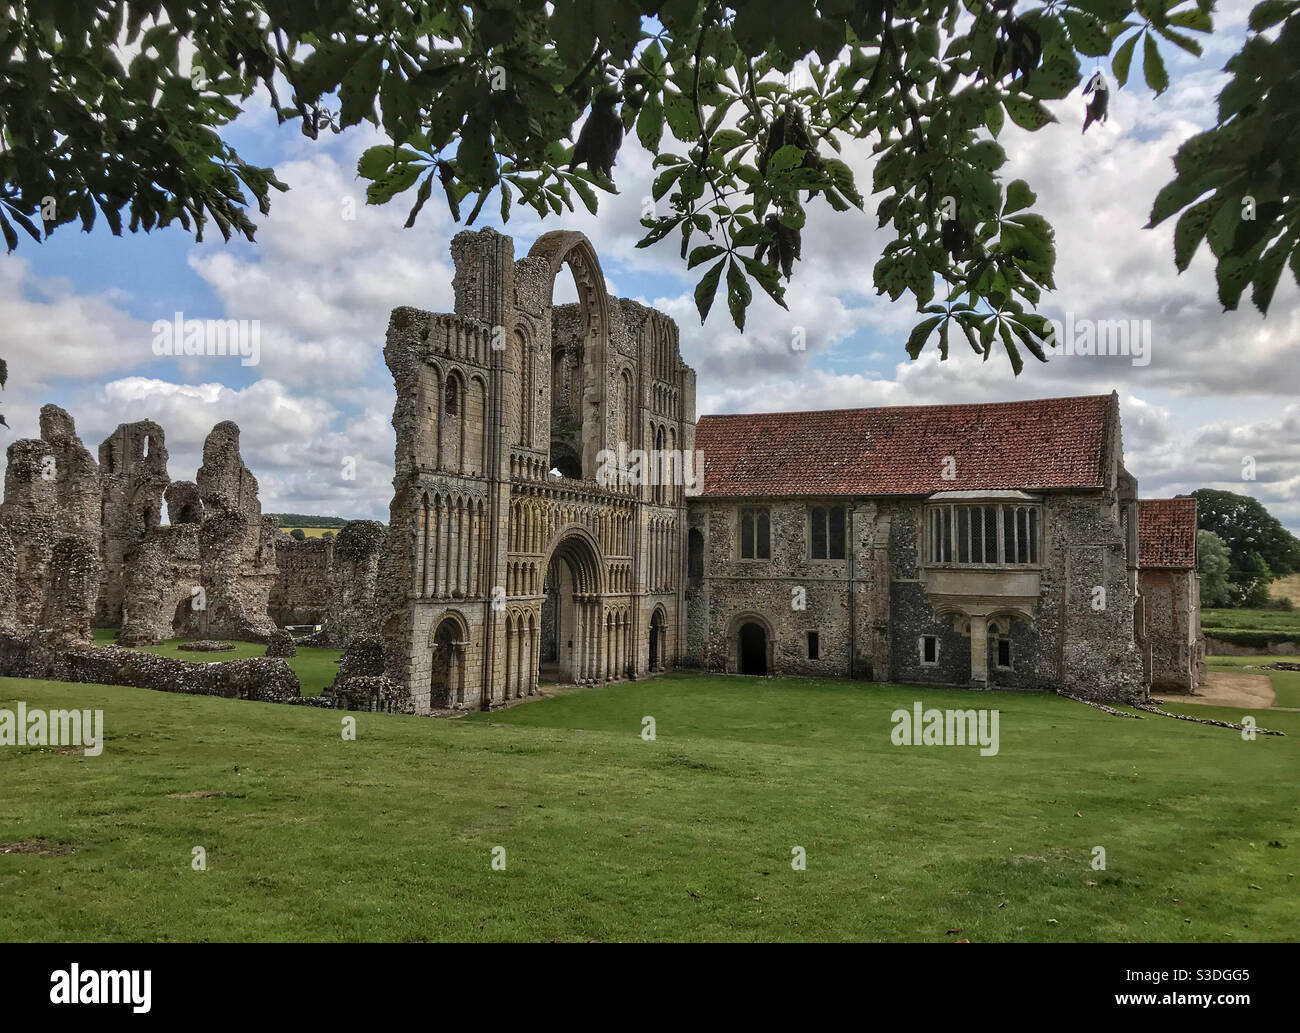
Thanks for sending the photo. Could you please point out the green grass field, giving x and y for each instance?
(1287, 621)
(315, 666)
(609, 837)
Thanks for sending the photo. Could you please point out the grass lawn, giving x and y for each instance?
(315, 666)
(609, 837)
(1250, 620)
(1286, 684)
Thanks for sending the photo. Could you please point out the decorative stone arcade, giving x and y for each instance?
(506, 412)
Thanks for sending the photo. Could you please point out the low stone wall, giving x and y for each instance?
(267, 680)
(41, 654)
(374, 692)
(1219, 647)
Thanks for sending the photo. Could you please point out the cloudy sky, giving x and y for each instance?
(76, 313)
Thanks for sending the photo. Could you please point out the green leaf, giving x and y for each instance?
(703, 254)
(920, 333)
(1027, 113)
(1153, 66)
(1191, 230)
(1013, 353)
(1119, 64)
(422, 195)
(360, 85)
(993, 118)
(11, 238)
(1174, 197)
(1267, 272)
(1019, 196)
(987, 155)
(1233, 273)
(739, 294)
(707, 288)
(393, 182)
(1087, 33)
(1266, 15)
(1198, 20)
(650, 125)
(375, 161)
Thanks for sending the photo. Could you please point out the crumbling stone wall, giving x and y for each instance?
(8, 598)
(209, 574)
(330, 581)
(299, 595)
(163, 595)
(353, 582)
(133, 479)
(37, 654)
(51, 514)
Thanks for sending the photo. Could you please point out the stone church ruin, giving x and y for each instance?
(999, 545)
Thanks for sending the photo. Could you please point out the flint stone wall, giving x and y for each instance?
(332, 582)
(37, 655)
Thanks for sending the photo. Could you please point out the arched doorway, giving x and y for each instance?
(657, 640)
(752, 648)
(445, 683)
(573, 643)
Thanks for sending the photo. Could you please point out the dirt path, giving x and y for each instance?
(1227, 689)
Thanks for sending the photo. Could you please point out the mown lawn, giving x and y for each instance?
(315, 666)
(610, 837)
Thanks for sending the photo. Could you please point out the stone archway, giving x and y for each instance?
(750, 648)
(572, 646)
(447, 663)
(578, 375)
(657, 639)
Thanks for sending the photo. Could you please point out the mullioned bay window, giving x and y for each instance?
(983, 533)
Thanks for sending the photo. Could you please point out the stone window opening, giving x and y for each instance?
(452, 404)
(929, 646)
(814, 645)
(983, 535)
(1002, 652)
(826, 532)
(695, 556)
(755, 534)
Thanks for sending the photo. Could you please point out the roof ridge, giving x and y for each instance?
(904, 408)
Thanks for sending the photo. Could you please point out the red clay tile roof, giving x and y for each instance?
(1167, 533)
(900, 450)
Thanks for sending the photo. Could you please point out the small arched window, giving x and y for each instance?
(453, 397)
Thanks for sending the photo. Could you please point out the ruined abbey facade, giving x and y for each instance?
(508, 557)
(989, 545)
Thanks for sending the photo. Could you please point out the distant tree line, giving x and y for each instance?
(301, 520)
(1241, 549)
